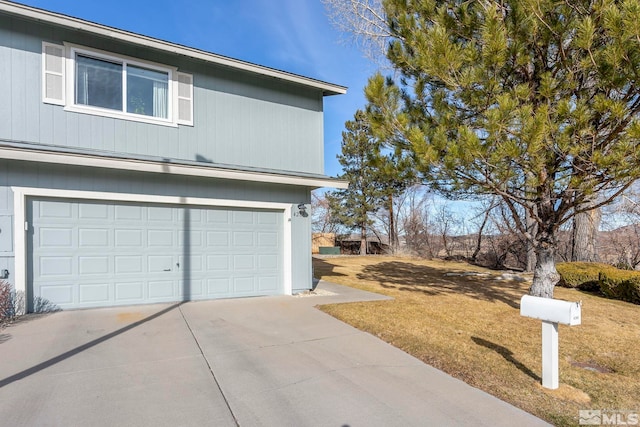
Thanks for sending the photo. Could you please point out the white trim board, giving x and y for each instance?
(11, 153)
(20, 195)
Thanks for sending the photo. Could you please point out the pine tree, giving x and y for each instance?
(359, 156)
(375, 176)
(534, 101)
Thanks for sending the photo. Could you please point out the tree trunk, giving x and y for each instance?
(585, 235)
(393, 234)
(531, 252)
(363, 241)
(474, 257)
(545, 275)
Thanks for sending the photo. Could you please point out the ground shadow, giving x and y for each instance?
(4, 338)
(411, 277)
(508, 356)
(322, 268)
(61, 357)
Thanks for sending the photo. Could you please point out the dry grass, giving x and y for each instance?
(470, 326)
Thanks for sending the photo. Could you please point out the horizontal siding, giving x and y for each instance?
(239, 118)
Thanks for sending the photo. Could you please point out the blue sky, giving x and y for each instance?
(290, 35)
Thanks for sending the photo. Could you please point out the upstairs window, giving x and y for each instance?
(120, 87)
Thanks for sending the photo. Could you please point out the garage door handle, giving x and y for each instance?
(167, 269)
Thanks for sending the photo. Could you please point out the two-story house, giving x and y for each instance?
(135, 170)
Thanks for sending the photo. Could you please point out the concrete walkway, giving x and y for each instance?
(274, 361)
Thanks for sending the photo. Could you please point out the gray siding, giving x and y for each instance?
(301, 249)
(24, 174)
(239, 118)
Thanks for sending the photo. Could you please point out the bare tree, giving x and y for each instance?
(444, 224)
(485, 217)
(621, 245)
(365, 21)
(415, 221)
(322, 220)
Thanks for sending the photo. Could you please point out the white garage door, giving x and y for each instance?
(98, 254)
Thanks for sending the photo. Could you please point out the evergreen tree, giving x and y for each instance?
(351, 207)
(535, 101)
(375, 178)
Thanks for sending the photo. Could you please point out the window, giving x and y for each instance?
(102, 84)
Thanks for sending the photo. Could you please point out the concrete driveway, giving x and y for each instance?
(271, 361)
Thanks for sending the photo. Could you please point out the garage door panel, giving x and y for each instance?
(218, 216)
(56, 266)
(93, 265)
(128, 238)
(94, 293)
(268, 283)
(56, 237)
(267, 239)
(90, 254)
(244, 284)
(193, 263)
(268, 218)
(160, 263)
(55, 210)
(160, 238)
(220, 286)
(191, 289)
(191, 238)
(160, 213)
(218, 239)
(243, 238)
(268, 262)
(242, 217)
(128, 264)
(96, 237)
(162, 289)
(218, 262)
(93, 211)
(58, 294)
(128, 212)
(243, 262)
(129, 291)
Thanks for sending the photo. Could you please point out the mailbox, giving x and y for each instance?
(551, 310)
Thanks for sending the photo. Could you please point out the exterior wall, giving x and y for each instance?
(301, 248)
(239, 118)
(25, 174)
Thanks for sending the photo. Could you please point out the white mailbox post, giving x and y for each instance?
(551, 312)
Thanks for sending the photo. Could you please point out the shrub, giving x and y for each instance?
(621, 285)
(7, 306)
(582, 275)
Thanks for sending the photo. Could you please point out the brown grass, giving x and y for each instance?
(470, 327)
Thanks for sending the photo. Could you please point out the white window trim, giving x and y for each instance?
(73, 49)
(21, 194)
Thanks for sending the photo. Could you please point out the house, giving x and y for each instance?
(135, 170)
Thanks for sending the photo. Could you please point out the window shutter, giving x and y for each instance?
(185, 99)
(53, 73)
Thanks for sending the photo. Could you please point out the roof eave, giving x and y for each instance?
(150, 42)
(150, 166)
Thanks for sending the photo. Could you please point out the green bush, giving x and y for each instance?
(621, 285)
(581, 275)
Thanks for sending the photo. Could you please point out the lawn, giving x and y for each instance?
(465, 320)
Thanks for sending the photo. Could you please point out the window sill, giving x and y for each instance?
(120, 115)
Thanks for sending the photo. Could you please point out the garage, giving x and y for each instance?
(95, 253)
